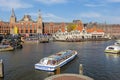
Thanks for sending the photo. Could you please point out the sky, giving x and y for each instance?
(99, 11)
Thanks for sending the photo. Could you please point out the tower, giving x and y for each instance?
(12, 22)
(13, 17)
(39, 23)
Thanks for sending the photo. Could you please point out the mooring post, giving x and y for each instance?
(58, 70)
(81, 69)
(1, 68)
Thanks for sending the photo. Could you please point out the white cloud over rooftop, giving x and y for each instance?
(52, 1)
(9, 4)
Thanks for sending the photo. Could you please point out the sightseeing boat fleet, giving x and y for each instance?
(113, 48)
(54, 61)
(10, 45)
(37, 39)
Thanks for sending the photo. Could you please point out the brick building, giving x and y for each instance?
(28, 26)
(4, 27)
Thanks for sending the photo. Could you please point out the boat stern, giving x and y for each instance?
(45, 67)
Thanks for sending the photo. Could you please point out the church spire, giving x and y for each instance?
(13, 17)
(39, 14)
(13, 13)
(39, 17)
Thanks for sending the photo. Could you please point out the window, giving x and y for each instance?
(35, 31)
(26, 31)
(21, 31)
(30, 26)
(35, 27)
(30, 31)
(111, 48)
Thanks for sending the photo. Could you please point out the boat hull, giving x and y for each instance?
(53, 68)
(7, 49)
(112, 51)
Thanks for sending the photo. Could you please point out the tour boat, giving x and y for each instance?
(44, 40)
(112, 49)
(6, 48)
(59, 59)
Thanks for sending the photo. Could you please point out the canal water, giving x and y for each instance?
(19, 64)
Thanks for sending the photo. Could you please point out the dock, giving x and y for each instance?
(68, 77)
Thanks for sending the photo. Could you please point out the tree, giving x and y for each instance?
(71, 27)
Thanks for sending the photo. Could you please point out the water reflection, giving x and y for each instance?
(111, 55)
(19, 64)
(114, 58)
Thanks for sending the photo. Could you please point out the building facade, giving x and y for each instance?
(28, 26)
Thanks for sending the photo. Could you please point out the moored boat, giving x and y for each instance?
(112, 49)
(6, 48)
(59, 59)
(44, 40)
(31, 40)
(117, 42)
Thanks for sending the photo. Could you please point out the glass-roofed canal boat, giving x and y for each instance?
(54, 61)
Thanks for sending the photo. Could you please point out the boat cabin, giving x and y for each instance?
(56, 58)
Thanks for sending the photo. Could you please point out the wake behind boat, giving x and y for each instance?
(59, 59)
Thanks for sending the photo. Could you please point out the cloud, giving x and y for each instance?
(100, 18)
(9, 4)
(90, 15)
(94, 5)
(49, 17)
(111, 19)
(52, 1)
(115, 1)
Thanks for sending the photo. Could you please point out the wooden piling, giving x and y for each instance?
(81, 69)
(1, 68)
(58, 70)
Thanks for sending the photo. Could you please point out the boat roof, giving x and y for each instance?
(59, 55)
(115, 46)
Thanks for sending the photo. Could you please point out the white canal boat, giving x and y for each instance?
(59, 59)
(112, 49)
(6, 48)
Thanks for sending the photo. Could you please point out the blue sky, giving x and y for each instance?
(100, 11)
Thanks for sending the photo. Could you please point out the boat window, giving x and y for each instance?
(110, 48)
(51, 62)
(45, 61)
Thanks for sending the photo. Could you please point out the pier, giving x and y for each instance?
(68, 77)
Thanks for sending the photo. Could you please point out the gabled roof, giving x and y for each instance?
(80, 28)
(94, 29)
(63, 29)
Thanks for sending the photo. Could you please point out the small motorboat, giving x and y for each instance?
(6, 48)
(112, 49)
(117, 43)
